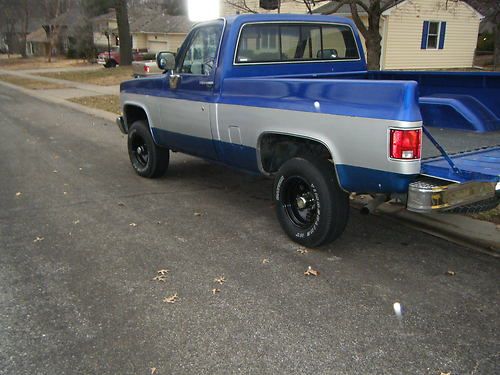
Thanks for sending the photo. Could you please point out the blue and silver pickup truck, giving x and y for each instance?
(290, 97)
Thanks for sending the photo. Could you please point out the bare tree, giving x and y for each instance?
(52, 28)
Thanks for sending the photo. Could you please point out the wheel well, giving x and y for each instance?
(134, 113)
(275, 149)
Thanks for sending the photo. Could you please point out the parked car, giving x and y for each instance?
(145, 68)
(111, 60)
(303, 109)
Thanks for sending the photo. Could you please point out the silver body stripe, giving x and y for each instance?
(356, 141)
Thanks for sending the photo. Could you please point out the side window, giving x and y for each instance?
(291, 42)
(199, 57)
(433, 35)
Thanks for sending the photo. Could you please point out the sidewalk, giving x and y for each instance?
(72, 90)
(473, 233)
(90, 89)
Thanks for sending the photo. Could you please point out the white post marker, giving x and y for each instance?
(203, 10)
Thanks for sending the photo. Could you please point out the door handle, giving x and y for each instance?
(207, 83)
(174, 80)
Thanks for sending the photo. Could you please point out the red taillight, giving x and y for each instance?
(146, 68)
(405, 144)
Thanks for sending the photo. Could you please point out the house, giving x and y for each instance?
(421, 34)
(160, 32)
(102, 25)
(151, 31)
(62, 27)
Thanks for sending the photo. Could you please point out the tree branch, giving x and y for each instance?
(357, 20)
(242, 5)
(341, 3)
(384, 5)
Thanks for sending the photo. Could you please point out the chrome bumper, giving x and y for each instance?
(122, 125)
(433, 195)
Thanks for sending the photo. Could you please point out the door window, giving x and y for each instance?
(199, 57)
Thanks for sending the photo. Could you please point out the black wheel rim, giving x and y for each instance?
(140, 151)
(299, 201)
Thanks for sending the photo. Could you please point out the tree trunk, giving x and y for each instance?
(25, 27)
(374, 39)
(497, 47)
(373, 49)
(124, 32)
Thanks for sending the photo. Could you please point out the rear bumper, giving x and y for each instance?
(435, 195)
(122, 125)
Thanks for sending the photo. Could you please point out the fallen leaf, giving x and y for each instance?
(265, 261)
(160, 278)
(121, 204)
(197, 214)
(221, 280)
(162, 272)
(80, 169)
(18, 194)
(451, 273)
(311, 272)
(172, 299)
(153, 370)
(445, 373)
(76, 222)
(133, 224)
(65, 192)
(158, 222)
(302, 250)
(38, 239)
(54, 171)
(215, 291)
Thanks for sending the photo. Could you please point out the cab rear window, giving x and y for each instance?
(282, 42)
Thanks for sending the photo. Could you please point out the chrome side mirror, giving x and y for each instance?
(165, 60)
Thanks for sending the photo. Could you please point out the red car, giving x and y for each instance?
(111, 60)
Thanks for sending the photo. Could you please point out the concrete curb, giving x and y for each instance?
(476, 234)
(51, 99)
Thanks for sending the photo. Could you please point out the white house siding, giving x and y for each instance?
(157, 42)
(139, 41)
(403, 35)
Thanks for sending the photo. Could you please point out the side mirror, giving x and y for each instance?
(165, 60)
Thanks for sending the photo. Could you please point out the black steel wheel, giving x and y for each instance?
(147, 158)
(311, 207)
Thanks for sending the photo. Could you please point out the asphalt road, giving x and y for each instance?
(81, 299)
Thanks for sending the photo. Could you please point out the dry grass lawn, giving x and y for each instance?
(18, 63)
(32, 84)
(102, 77)
(109, 103)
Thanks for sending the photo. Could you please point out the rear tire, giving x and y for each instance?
(148, 159)
(311, 207)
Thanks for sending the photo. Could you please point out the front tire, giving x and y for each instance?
(311, 207)
(148, 159)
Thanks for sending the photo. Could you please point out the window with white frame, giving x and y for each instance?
(433, 35)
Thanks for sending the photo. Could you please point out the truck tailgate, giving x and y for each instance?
(475, 155)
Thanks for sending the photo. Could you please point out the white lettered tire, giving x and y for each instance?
(311, 207)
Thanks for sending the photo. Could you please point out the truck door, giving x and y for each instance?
(186, 113)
